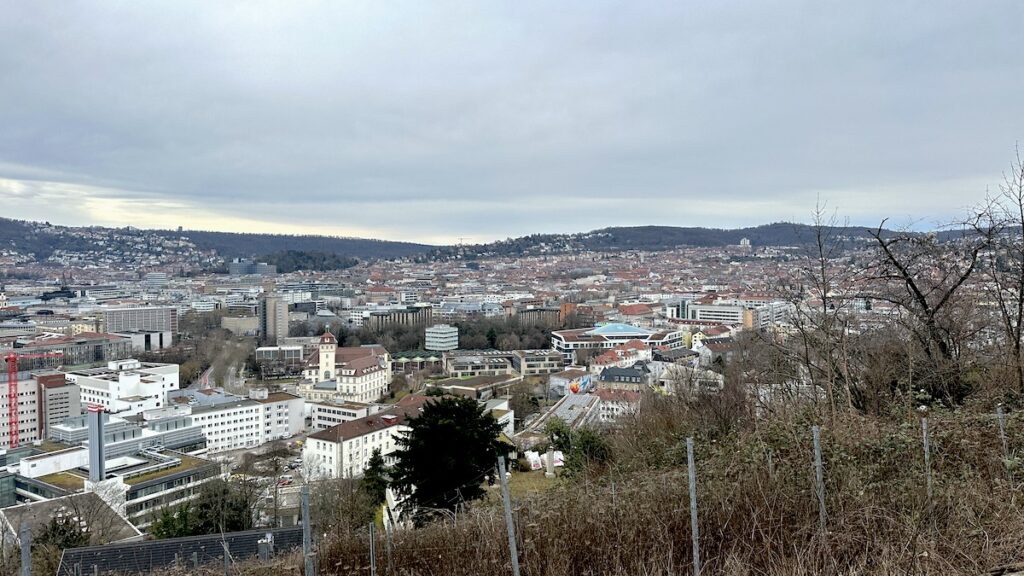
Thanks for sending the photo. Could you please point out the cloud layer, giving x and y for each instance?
(430, 120)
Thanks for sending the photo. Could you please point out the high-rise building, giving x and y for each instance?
(273, 312)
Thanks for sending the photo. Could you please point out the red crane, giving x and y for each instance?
(12, 390)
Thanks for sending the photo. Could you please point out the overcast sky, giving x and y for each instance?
(431, 121)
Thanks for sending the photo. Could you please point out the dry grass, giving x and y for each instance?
(757, 505)
(756, 518)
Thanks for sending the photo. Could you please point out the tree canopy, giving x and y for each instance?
(221, 507)
(444, 456)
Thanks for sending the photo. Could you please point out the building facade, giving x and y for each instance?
(595, 340)
(27, 410)
(273, 315)
(344, 450)
(126, 387)
(441, 338)
(149, 318)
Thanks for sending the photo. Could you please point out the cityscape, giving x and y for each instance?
(337, 290)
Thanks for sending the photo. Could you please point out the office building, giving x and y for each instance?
(418, 315)
(126, 387)
(240, 267)
(155, 280)
(149, 318)
(442, 337)
(79, 350)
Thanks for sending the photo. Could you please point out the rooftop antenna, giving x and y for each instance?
(462, 240)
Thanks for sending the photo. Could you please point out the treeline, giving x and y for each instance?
(294, 260)
(247, 245)
(657, 238)
(475, 334)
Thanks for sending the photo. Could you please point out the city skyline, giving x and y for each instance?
(431, 123)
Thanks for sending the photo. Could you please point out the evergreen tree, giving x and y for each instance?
(376, 478)
(446, 453)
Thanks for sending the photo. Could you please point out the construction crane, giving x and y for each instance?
(12, 390)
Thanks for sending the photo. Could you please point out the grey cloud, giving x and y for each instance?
(505, 120)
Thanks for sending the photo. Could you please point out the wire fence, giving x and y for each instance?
(680, 517)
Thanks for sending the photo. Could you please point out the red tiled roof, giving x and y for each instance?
(634, 309)
(617, 395)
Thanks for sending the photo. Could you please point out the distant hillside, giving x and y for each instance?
(661, 237)
(650, 238)
(36, 238)
(293, 260)
(231, 244)
(318, 252)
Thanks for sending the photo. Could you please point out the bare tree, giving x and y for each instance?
(923, 276)
(1002, 219)
(821, 303)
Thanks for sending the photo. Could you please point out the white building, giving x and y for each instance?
(231, 422)
(283, 415)
(442, 337)
(324, 415)
(596, 340)
(126, 387)
(355, 374)
(616, 403)
(343, 451)
(749, 313)
(231, 425)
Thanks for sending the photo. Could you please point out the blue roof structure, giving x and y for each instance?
(619, 330)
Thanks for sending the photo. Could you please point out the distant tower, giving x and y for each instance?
(745, 242)
(328, 353)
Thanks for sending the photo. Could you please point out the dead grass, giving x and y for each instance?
(756, 518)
(757, 507)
